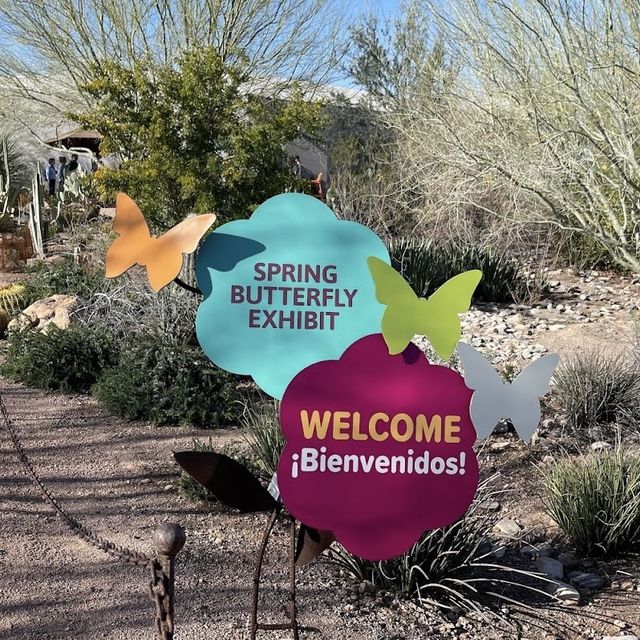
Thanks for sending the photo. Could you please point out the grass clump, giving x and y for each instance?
(596, 500)
(448, 567)
(597, 389)
(264, 436)
(426, 265)
(169, 383)
(67, 360)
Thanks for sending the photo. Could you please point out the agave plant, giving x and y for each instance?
(16, 171)
(451, 567)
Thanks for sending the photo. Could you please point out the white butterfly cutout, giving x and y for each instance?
(494, 399)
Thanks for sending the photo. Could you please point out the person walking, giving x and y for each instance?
(52, 174)
(61, 169)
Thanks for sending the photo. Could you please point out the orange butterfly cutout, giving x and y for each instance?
(161, 256)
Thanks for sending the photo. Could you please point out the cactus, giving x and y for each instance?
(12, 298)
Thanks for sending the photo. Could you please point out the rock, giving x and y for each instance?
(568, 559)
(550, 567)
(586, 580)
(55, 310)
(500, 446)
(508, 527)
(566, 594)
(600, 446)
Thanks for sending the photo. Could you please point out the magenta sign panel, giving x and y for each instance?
(378, 448)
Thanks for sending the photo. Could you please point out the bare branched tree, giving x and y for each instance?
(541, 122)
(47, 51)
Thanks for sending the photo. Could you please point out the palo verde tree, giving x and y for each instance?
(47, 56)
(540, 124)
(193, 136)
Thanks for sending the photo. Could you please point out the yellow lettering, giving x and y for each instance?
(341, 425)
(428, 431)
(408, 431)
(373, 421)
(451, 428)
(309, 427)
(357, 434)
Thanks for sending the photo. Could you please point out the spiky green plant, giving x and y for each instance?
(263, 433)
(449, 567)
(426, 265)
(596, 500)
(12, 298)
(596, 388)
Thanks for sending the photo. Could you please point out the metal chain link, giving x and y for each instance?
(159, 592)
(160, 587)
(117, 551)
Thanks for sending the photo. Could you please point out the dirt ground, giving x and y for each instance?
(119, 479)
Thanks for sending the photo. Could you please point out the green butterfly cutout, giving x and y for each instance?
(435, 317)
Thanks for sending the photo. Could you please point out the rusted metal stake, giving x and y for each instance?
(169, 540)
(293, 614)
(257, 571)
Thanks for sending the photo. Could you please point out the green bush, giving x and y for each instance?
(68, 360)
(596, 501)
(426, 265)
(450, 567)
(262, 423)
(68, 277)
(169, 384)
(594, 389)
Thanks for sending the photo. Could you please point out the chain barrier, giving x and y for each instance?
(161, 569)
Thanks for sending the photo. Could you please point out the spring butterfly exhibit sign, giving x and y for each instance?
(379, 441)
(379, 448)
(284, 289)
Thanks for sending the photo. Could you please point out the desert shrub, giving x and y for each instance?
(426, 265)
(169, 383)
(131, 308)
(596, 500)
(66, 276)
(262, 424)
(596, 388)
(448, 567)
(68, 360)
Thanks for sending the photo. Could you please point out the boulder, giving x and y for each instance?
(55, 310)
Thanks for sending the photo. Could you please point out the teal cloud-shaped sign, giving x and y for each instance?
(285, 289)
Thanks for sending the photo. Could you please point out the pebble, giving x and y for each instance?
(550, 567)
(508, 527)
(586, 580)
(507, 333)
